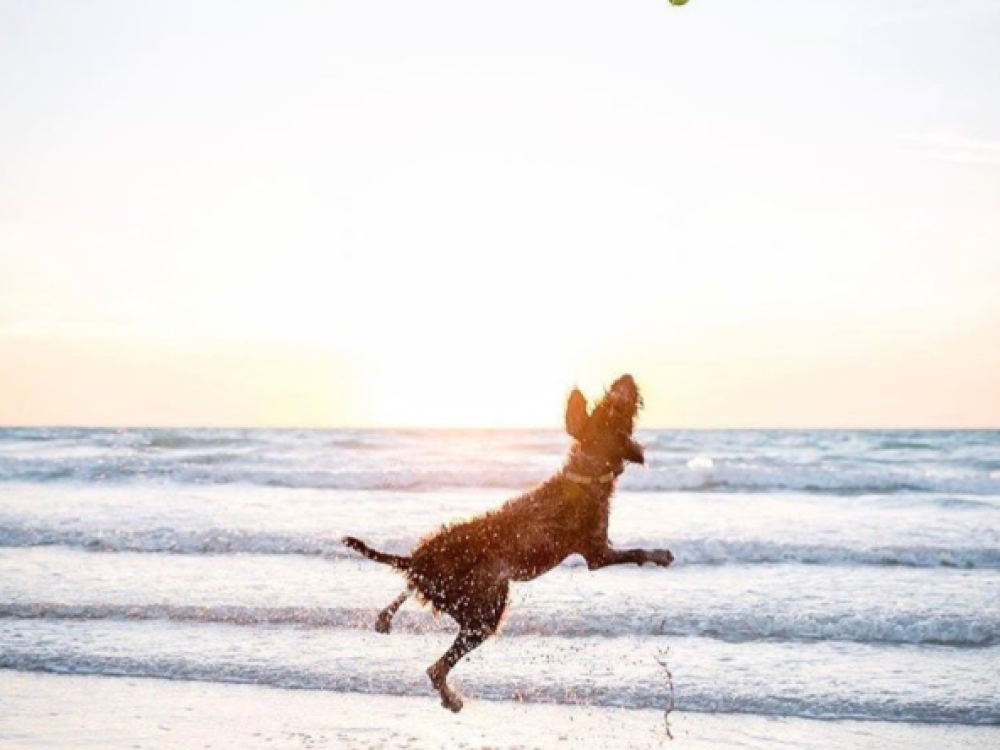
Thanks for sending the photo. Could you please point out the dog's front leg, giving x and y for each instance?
(604, 556)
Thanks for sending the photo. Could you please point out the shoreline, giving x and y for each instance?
(72, 711)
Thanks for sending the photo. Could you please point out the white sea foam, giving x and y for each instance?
(736, 627)
(225, 468)
(688, 551)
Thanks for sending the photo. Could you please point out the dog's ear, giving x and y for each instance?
(576, 414)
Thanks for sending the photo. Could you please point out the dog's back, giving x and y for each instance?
(520, 541)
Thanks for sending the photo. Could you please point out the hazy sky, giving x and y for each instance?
(447, 212)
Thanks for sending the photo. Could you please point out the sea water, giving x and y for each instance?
(844, 575)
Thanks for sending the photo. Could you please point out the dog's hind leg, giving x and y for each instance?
(466, 641)
(479, 619)
(384, 622)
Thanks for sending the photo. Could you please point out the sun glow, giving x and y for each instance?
(472, 389)
(448, 214)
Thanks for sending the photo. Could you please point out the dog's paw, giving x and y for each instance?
(662, 557)
(383, 625)
(451, 700)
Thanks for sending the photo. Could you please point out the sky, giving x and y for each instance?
(447, 213)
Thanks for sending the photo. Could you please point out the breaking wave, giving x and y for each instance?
(973, 631)
(234, 467)
(687, 551)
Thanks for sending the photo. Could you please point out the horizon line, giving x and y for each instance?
(480, 428)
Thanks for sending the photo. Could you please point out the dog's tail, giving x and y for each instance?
(396, 561)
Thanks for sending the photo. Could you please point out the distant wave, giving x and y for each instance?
(687, 551)
(976, 630)
(743, 478)
(175, 440)
(851, 462)
(638, 693)
(226, 466)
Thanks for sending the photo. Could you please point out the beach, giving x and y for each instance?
(187, 588)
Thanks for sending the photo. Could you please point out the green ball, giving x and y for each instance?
(678, 2)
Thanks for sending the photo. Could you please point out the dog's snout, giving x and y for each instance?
(625, 386)
(634, 453)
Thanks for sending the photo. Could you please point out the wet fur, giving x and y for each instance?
(465, 569)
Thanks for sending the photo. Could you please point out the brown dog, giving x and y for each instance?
(465, 569)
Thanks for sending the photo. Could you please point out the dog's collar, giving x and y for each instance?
(581, 479)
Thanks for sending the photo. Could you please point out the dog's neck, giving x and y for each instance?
(587, 481)
(587, 470)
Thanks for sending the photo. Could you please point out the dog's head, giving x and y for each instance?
(604, 435)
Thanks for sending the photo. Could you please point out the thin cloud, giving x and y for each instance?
(953, 147)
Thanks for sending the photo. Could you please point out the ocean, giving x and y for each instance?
(827, 577)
